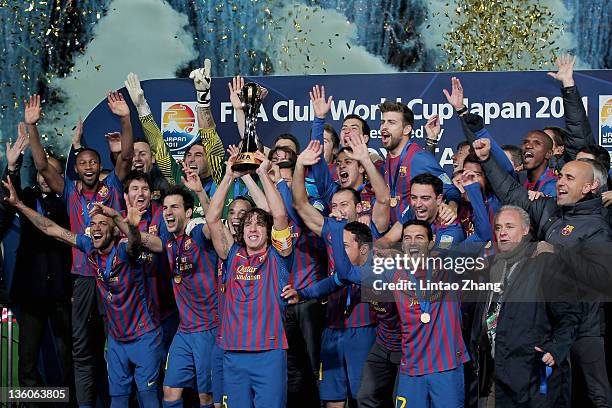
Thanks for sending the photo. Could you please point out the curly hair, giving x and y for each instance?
(261, 216)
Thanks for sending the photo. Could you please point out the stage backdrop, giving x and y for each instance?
(511, 103)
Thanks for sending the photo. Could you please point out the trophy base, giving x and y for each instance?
(246, 162)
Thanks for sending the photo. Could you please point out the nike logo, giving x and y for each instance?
(151, 383)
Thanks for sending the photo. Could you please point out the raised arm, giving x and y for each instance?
(381, 212)
(392, 237)
(213, 146)
(311, 216)
(120, 108)
(319, 172)
(576, 120)
(433, 129)
(222, 240)
(483, 229)
(32, 116)
(234, 92)
(192, 182)
(134, 239)
(41, 222)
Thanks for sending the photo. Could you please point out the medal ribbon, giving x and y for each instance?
(393, 181)
(424, 304)
(109, 263)
(177, 258)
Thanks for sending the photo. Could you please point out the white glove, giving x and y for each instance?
(132, 84)
(201, 81)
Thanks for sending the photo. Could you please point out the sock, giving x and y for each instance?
(173, 404)
(121, 401)
(148, 398)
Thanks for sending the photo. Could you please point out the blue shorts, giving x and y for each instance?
(444, 390)
(255, 379)
(168, 327)
(138, 360)
(189, 359)
(343, 355)
(217, 374)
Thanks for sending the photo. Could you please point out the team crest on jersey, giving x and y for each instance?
(156, 195)
(365, 206)
(294, 234)
(402, 171)
(445, 241)
(567, 230)
(445, 179)
(153, 229)
(187, 244)
(103, 192)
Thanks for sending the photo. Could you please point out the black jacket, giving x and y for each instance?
(7, 214)
(540, 308)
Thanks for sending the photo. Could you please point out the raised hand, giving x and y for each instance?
(33, 111)
(201, 81)
(264, 165)
(13, 152)
(312, 154)
(446, 214)
(12, 198)
(359, 148)
(117, 104)
(319, 104)
(290, 295)
(534, 195)
(78, 132)
(433, 128)
(132, 84)
(468, 177)
(134, 215)
(234, 90)
(482, 148)
(114, 141)
(233, 153)
(456, 97)
(565, 73)
(191, 180)
(99, 208)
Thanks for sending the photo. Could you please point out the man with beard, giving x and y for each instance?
(406, 159)
(575, 216)
(79, 196)
(257, 268)
(349, 334)
(42, 284)
(133, 324)
(205, 158)
(515, 369)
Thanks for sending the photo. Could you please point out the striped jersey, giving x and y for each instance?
(344, 308)
(130, 311)
(546, 183)
(435, 346)
(398, 171)
(309, 255)
(156, 266)
(253, 314)
(109, 193)
(193, 262)
(388, 327)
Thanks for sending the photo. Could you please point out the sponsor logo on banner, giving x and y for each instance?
(179, 126)
(605, 121)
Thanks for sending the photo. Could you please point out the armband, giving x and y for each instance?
(282, 240)
(462, 110)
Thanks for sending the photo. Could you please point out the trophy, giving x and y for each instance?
(251, 97)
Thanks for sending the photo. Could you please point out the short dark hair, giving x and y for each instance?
(559, 134)
(407, 114)
(292, 156)
(191, 147)
(547, 140)
(244, 198)
(430, 180)
(471, 158)
(601, 154)
(421, 223)
(355, 194)
(365, 128)
(462, 144)
(145, 141)
(335, 138)
(288, 136)
(80, 150)
(362, 233)
(287, 164)
(261, 215)
(188, 201)
(515, 152)
(136, 175)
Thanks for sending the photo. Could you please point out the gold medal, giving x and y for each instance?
(425, 317)
(177, 279)
(109, 296)
(88, 231)
(393, 202)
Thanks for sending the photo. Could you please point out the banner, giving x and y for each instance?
(511, 103)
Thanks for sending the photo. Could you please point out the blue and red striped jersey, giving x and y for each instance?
(220, 293)
(388, 327)
(308, 249)
(110, 193)
(398, 171)
(193, 261)
(344, 308)
(547, 184)
(253, 314)
(121, 282)
(435, 346)
(156, 266)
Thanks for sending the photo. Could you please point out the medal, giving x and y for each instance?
(109, 296)
(88, 231)
(177, 279)
(425, 317)
(393, 202)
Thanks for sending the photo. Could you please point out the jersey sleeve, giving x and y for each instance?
(319, 172)
(497, 151)
(68, 189)
(287, 196)
(166, 163)
(84, 243)
(483, 229)
(215, 152)
(550, 188)
(321, 288)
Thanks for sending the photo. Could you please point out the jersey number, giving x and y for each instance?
(399, 400)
